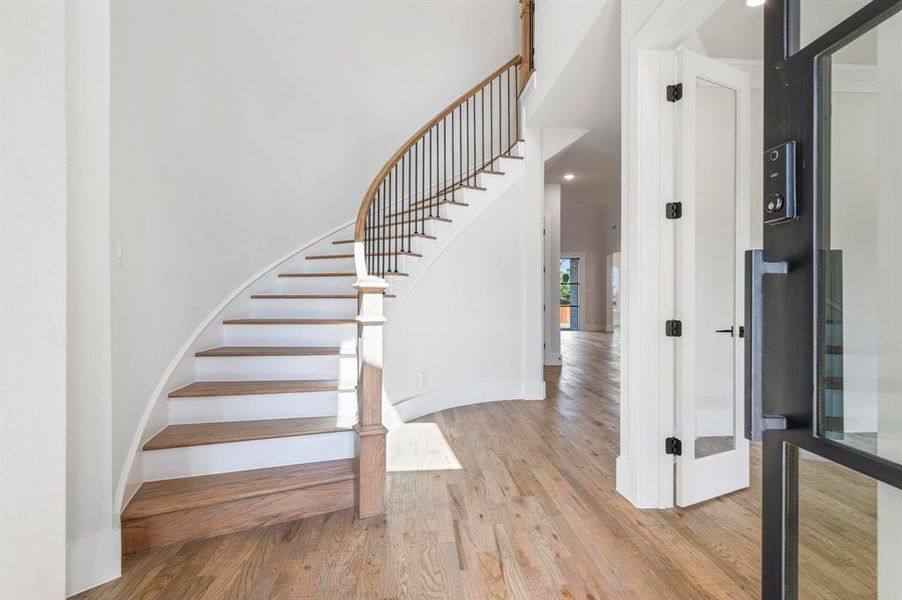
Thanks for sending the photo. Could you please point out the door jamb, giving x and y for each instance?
(645, 474)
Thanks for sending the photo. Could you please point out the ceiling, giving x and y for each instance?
(736, 30)
(586, 96)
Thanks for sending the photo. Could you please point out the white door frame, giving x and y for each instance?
(645, 474)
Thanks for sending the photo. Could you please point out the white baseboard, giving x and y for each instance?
(93, 561)
(476, 393)
(552, 359)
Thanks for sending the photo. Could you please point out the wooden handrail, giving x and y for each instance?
(360, 226)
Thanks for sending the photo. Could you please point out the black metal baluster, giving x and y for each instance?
(453, 137)
(507, 99)
(445, 155)
(482, 126)
(467, 118)
(460, 146)
(500, 119)
(491, 118)
(475, 160)
(517, 100)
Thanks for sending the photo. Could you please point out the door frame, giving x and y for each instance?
(645, 473)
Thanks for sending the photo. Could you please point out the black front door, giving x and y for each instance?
(824, 305)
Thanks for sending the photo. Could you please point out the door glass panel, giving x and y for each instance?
(849, 530)
(820, 16)
(859, 395)
(715, 267)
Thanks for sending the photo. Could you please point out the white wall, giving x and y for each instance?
(552, 290)
(459, 338)
(242, 129)
(93, 546)
(32, 299)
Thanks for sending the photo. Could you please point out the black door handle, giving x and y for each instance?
(730, 331)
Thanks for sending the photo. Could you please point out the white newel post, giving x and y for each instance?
(370, 439)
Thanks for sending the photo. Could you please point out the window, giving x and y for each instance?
(569, 309)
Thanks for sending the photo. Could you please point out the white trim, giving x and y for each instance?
(862, 79)
(93, 561)
(695, 44)
(131, 476)
(465, 395)
(553, 359)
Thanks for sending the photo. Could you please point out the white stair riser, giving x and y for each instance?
(317, 285)
(239, 456)
(214, 409)
(287, 308)
(331, 265)
(262, 368)
(343, 336)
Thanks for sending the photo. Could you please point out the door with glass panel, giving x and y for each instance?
(711, 235)
(824, 301)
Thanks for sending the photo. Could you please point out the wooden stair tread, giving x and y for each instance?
(512, 156)
(200, 389)
(222, 351)
(406, 235)
(409, 222)
(252, 321)
(309, 296)
(171, 495)
(421, 207)
(202, 434)
(304, 296)
(398, 253)
(317, 274)
(328, 256)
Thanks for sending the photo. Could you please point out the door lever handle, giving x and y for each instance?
(755, 270)
(730, 331)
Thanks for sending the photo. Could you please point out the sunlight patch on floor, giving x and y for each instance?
(419, 447)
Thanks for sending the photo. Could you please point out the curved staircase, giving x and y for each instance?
(284, 418)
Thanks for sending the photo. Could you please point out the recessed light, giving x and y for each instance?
(569, 176)
(754, 2)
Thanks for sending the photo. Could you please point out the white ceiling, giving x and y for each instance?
(736, 30)
(586, 95)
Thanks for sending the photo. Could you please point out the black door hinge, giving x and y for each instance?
(674, 92)
(673, 210)
(673, 328)
(673, 446)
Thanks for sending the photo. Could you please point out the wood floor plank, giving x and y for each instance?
(534, 512)
(201, 434)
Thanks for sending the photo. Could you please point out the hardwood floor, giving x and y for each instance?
(532, 513)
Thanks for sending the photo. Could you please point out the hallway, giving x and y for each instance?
(533, 513)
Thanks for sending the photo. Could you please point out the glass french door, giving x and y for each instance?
(824, 301)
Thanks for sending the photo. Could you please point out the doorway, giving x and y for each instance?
(570, 294)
